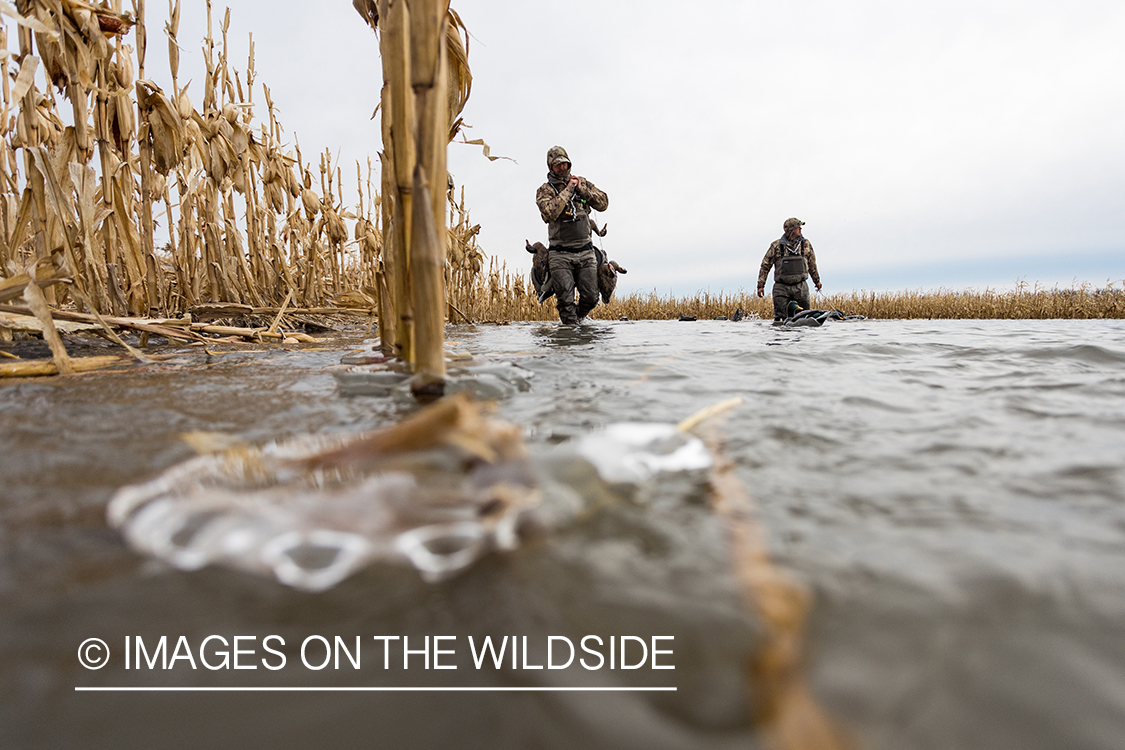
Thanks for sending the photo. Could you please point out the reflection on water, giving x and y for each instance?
(952, 492)
(581, 334)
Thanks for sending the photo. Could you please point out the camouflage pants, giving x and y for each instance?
(570, 270)
(784, 293)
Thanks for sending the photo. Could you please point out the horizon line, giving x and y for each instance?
(1018, 285)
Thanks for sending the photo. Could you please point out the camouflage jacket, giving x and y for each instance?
(777, 251)
(559, 204)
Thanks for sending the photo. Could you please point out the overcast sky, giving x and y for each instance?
(955, 145)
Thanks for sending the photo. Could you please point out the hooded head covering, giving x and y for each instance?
(555, 155)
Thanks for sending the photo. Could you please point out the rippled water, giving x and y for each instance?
(953, 493)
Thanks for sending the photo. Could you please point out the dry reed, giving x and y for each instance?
(1024, 301)
(499, 295)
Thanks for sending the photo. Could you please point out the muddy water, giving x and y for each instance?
(952, 492)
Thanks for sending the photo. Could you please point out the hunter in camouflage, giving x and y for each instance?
(793, 261)
(565, 202)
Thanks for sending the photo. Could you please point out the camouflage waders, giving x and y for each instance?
(569, 270)
(783, 293)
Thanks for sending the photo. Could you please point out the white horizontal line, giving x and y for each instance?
(367, 689)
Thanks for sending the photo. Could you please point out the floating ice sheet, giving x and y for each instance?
(633, 452)
(438, 491)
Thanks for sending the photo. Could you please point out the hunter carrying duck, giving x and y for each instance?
(565, 201)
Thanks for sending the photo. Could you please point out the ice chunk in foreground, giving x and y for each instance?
(438, 491)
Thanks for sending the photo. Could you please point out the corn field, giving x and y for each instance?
(92, 163)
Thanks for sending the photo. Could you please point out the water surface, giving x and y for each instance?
(953, 493)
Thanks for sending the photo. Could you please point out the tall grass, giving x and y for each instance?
(500, 295)
(1025, 301)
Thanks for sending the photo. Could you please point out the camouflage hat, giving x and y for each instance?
(556, 155)
(792, 222)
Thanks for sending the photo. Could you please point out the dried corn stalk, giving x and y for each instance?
(245, 218)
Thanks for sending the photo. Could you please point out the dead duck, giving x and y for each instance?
(607, 276)
(540, 272)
